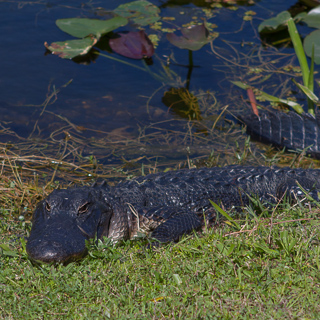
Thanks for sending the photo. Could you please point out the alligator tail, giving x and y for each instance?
(285, 130)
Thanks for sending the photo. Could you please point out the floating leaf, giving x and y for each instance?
(312, 19)
(141, 12)
(275, 24)
(193, 38)
(313, 39)
(134, 45)
(82, 27)
(71, 48)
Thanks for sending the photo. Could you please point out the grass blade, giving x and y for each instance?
(295, 106)
(311, 82)
(298, 47)
(311, 96)
(225, 215)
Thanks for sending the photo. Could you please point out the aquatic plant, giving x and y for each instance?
(284, 20)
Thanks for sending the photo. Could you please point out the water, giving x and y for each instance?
(107, 98)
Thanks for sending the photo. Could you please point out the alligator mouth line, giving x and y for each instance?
(84, 232)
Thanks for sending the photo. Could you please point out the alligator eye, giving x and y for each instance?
(48, 208)
(84, 208)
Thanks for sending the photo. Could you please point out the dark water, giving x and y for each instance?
(106, 95)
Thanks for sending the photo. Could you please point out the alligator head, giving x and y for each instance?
(64, 220)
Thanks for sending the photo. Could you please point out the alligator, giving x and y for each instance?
(164, 206)
(285, 130)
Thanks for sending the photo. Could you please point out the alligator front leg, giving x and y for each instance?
(177, 226)
(165, 223)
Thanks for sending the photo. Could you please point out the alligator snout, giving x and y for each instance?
(56, 241)
(53, 251)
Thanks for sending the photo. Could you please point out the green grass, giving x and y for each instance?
(268, 270)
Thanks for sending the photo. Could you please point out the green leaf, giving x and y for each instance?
(5, 247)
(177, 279)
(225, 214)
(224, 250)
(311, 73)
(141, 12)
(71, 48)
(192, 38)
(312, 19)
(295, 106)
(275, 24)
(313, 39)
(7, 251)
(298, 48)
(306, 91)
(241, 85)
(308, 197)
(287, 241)
(83, 27)
(311, 83)
(265, 249)
(247, 273)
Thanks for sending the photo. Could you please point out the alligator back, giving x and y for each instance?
(285, 130)
(229, 186)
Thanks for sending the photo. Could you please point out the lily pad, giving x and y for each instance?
(312, 19)
(71, 48)
(140, 12)
(134, 45)
(275, 24)
(193, 38)
(313, 39)
(82, 27)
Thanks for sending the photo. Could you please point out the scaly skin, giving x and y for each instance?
(285, 130)
(165, 206)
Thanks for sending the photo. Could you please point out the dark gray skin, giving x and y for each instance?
(285, 130)
(63, 222)
(165, 206)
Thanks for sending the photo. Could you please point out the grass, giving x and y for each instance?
(267, 270)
